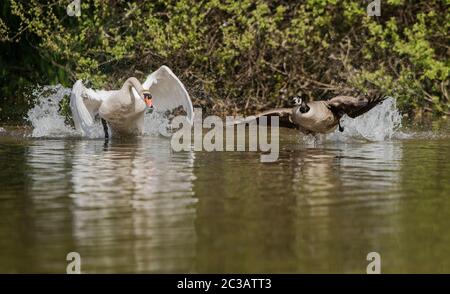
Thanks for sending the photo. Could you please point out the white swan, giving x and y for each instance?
(123, 110)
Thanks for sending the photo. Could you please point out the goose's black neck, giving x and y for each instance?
(304, 108)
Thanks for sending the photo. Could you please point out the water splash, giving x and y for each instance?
(48, 122)
(155, 123)
(379, 124)
(44, 116)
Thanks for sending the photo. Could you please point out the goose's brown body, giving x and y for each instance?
(321, 116)
(319, 119)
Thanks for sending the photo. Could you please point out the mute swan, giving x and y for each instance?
(123, 110)
(321, 116)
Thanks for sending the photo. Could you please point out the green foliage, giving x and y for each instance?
(64, 108)
(241, 56)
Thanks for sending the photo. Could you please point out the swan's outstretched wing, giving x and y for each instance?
(84, 104)
(168, 92)
(284, 115)
(353, 106)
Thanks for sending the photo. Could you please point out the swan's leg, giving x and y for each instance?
(105, 128)
(316, 138)
(106, 145)
(341, 128)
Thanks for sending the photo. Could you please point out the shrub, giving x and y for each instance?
(244, 56)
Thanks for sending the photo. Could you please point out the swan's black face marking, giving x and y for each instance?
(148, 99)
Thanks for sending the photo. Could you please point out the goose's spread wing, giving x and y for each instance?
(84, 104)
(353, 106)
(168, 92)
(283, 113)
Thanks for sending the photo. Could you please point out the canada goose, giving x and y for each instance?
(320, 116)
(123, 110)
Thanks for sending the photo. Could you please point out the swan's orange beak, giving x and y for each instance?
(148, 100)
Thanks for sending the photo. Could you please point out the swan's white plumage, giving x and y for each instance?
(168, 92)
(84, 107)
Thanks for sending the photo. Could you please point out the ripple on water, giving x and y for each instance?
(136, 206)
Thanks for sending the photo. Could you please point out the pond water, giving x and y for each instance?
(136, 206)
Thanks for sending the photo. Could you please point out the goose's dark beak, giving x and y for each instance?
(148, 100)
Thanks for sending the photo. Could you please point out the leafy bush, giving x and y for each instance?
(243, 56)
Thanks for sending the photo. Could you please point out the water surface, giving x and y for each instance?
(136, 206)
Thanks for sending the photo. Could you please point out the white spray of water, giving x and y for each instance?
(48, 122)
(45, 117)
(379, 124)
(155, 123)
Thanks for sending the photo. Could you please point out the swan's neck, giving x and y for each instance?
(133, 83)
